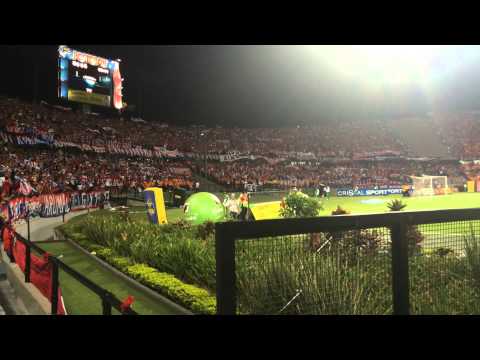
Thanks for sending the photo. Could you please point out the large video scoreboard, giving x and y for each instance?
(89, 79)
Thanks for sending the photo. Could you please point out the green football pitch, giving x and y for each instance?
(448, 235)
(378, 204)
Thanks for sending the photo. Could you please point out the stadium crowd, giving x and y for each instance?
(44, 171)
(351, 174)
(48, 149)
(460, 132)
(343, 139)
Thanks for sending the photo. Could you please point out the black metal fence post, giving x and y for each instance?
(27, 263)
(28, 226)
(54, 287)
(400, 282)
(106, 306)
(28, 251)
(63, 214)
(225, 267)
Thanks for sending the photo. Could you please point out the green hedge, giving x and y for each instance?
(190, 296)
(196, 299)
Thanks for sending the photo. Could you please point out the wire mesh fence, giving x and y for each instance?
(343, 272)
(444, 268)
(425, 262)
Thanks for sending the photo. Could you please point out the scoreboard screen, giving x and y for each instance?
(89, 79)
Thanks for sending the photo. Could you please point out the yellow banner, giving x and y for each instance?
(89, 98)
(266, 211)
(155, 206)
(471, 186)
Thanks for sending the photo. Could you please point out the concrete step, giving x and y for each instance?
(10, 303)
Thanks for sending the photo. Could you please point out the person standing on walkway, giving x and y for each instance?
(243, 200)
(232, 206)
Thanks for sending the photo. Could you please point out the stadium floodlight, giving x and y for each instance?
(382, 64)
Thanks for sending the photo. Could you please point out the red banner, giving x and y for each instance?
(41, 277)
(53, 204)
(7, 237)
(40, 267)
(40, 273)
(19, 254)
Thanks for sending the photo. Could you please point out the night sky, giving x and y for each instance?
(246, 85)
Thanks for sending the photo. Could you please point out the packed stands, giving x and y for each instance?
(460, 133)
(49, 149)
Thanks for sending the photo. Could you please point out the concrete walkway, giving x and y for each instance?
(41, 229)
(10, 304)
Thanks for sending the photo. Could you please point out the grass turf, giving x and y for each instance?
(378, 204)
(443, 235)
(366, 205)
(79, 300)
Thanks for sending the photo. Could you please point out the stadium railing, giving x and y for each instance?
(348, 264)
(108, 299)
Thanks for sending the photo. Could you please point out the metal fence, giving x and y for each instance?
(108, 300)
(425, 262)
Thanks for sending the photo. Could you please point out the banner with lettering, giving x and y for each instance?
(82, 200)
(17, 208)
(52, 205)
(382, 154)
(368, 192)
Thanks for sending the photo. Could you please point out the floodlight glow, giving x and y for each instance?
(381, 64)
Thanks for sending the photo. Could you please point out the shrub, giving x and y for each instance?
(185, 251)
(414, 236)
(472, 253)
(205, 230)
(310, 283)
(192, 297)
(396, 205)
(350, 244)
(439, 286)
(340, 211)
(443, 251)
(297, 205)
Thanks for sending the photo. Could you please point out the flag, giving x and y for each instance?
(25, 188)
